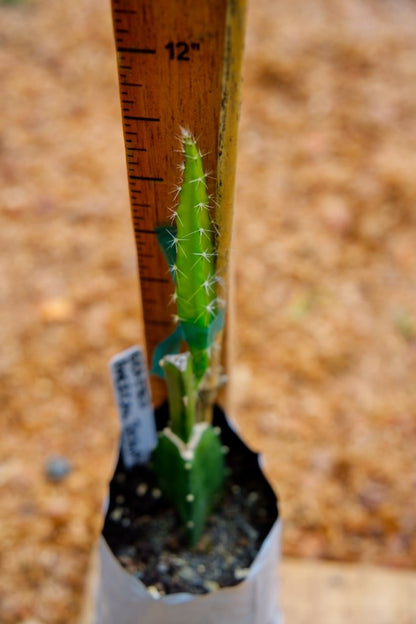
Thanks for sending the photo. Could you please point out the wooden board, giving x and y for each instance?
(315, 592)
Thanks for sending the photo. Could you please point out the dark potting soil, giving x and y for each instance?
(146, 536)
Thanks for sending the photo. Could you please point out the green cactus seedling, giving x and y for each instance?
(189, 458)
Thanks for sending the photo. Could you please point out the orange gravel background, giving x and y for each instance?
(326, 269)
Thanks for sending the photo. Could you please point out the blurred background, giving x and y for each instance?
(325, 260)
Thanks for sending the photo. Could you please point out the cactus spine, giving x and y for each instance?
(188, 460)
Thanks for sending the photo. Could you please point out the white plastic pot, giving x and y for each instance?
(120, 598)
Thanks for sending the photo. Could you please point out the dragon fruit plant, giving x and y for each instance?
(189, 458)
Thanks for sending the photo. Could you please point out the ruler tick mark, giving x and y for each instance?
(137, 149)
(137, 50)
(127, 11)
(146, 178)
(131, 84)
(135, 118)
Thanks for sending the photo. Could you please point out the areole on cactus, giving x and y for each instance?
(188, 460)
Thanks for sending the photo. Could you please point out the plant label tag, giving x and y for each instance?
(131, 388)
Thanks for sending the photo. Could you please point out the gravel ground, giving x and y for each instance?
(326, 270)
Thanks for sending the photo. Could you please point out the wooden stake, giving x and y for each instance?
(179, 66)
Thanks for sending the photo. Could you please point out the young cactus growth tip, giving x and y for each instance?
(189, 458)
(189, 247)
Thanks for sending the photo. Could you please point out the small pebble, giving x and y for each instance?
(57, 468)
(116, 514)
(120, 477)
(201, 568)
(235, 489)
(162, 567)
(120, 500)
(156, 493)
(125, 522)
(153, 591)
(211, 586)
(241, 573)
(187, 574)
(142, 489)
(252, 498)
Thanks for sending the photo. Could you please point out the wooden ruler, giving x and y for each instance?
(179, 64)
